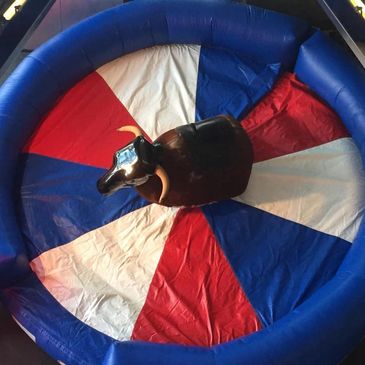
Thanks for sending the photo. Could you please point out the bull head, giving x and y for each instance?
(133, 165)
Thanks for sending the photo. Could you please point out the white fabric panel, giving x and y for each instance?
(103, 276)
(157, 85)
(321, 187)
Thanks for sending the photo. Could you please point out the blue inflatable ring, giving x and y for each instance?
(325, 328)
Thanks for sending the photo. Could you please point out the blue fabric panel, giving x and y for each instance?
(321, 331)
(229, 84)
(71, 340)
(279, 263)
(338, 78)
(59, 202)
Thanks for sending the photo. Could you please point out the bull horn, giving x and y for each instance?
(131, 128)
(161, 173)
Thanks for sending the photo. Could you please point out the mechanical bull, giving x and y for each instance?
(191, 165)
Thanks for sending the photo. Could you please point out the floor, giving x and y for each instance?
(16, 348)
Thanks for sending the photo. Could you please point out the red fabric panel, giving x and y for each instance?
(82, 127)
(290, 119)
(194, 297)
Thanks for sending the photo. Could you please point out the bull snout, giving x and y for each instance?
(110, 183)
(103, 187)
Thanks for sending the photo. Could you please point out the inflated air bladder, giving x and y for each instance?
(268, 277)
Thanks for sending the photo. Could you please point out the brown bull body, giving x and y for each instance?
(203, 162)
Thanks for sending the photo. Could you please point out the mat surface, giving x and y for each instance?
(199, 276)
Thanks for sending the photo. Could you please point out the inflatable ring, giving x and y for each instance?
(325, 327)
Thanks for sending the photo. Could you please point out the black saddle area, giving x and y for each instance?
(211, 143)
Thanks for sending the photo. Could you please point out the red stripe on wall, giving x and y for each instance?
(82, 127)
(290, 119)
(194, 297)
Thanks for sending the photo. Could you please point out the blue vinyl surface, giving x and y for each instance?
(59, 202)
(275, 287)
(231, 84)
(338, 79)
(331, 320)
